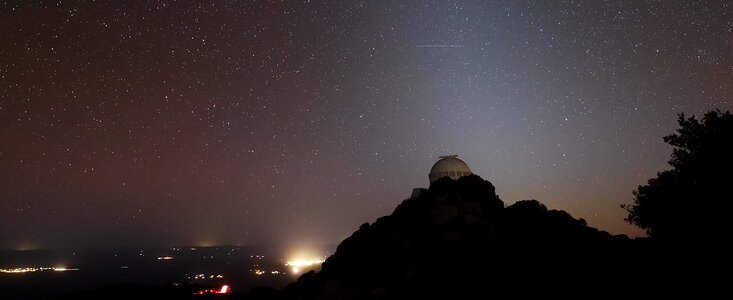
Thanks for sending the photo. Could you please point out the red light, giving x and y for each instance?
(224, 289)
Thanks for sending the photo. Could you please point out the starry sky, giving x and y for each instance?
(158, 123)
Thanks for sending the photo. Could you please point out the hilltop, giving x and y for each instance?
(459, 239)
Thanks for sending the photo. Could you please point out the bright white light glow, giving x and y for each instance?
(303, 257)
(297, 265)
(303, 262)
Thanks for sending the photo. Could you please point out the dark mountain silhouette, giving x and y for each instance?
(459, 240)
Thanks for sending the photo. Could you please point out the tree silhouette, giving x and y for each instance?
(693, 200)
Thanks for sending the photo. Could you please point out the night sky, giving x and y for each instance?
(159, 123)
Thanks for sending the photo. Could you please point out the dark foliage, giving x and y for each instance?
(691, 202)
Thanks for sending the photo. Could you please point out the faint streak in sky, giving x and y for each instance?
(440, 46)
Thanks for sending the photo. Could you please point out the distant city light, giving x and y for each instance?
(297, 265)
(165, 257)
(303, 258)
(204, 276)
(224, 289)
(35, 269)
(303, 263)
(260, 272)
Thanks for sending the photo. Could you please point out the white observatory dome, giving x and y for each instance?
(449, 166)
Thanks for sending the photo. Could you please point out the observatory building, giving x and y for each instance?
(449, 166)
(446, 166)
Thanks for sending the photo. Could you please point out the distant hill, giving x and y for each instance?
(459, 240)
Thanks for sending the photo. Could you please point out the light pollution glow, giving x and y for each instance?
(297, 265)
(304, 257)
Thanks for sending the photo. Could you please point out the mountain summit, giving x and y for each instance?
(458, 239)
